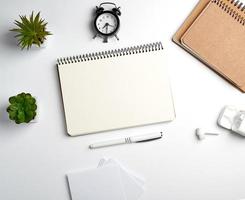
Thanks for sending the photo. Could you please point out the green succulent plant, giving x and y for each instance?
(31, 31)
(22, 108)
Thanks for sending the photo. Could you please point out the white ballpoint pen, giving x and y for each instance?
(128, 140)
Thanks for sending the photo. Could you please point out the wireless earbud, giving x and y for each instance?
(201, 134)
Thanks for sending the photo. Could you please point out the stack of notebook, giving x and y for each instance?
(215, 33)
(110, 180)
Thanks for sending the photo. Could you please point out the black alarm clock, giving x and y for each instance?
(106, 22)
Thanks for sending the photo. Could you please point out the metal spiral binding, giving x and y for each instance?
(111, 53)
(231, 11)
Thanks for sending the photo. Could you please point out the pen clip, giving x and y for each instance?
(149, 140)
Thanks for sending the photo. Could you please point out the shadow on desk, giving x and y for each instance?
(9, 40)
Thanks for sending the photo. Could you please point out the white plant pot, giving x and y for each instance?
(44, 44)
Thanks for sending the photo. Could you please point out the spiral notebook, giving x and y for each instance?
(215, 34)
(116, 89)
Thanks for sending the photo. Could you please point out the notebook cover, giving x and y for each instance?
(216, 37)
(117, 91)
(190, 19)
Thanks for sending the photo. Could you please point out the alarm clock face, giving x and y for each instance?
(107, 23)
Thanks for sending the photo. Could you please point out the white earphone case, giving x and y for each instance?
(233, 119)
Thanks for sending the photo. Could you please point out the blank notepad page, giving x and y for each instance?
(117, 89)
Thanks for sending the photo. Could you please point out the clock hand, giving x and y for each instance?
(106, 25)
(110, 25)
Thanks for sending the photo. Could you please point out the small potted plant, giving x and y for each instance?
(22, 108)
(31, 31)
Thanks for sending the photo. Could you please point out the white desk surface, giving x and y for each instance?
(35, 158)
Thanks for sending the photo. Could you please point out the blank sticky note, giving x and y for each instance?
(100, 183)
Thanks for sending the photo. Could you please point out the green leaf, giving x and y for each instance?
(37, 18)
(12, 115)
(21, 116)
(31, 18)
(12, 99)
(34, 107)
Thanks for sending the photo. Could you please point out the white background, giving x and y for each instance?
(34, 158)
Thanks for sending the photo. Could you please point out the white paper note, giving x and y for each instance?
(103, 183)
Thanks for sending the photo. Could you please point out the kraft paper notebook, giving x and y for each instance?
(215, 34)
(116, 89)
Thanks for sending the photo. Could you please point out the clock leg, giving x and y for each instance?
(95, 36)
(105, 39)
(117, 37)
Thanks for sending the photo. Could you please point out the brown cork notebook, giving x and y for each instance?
(215, 34)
